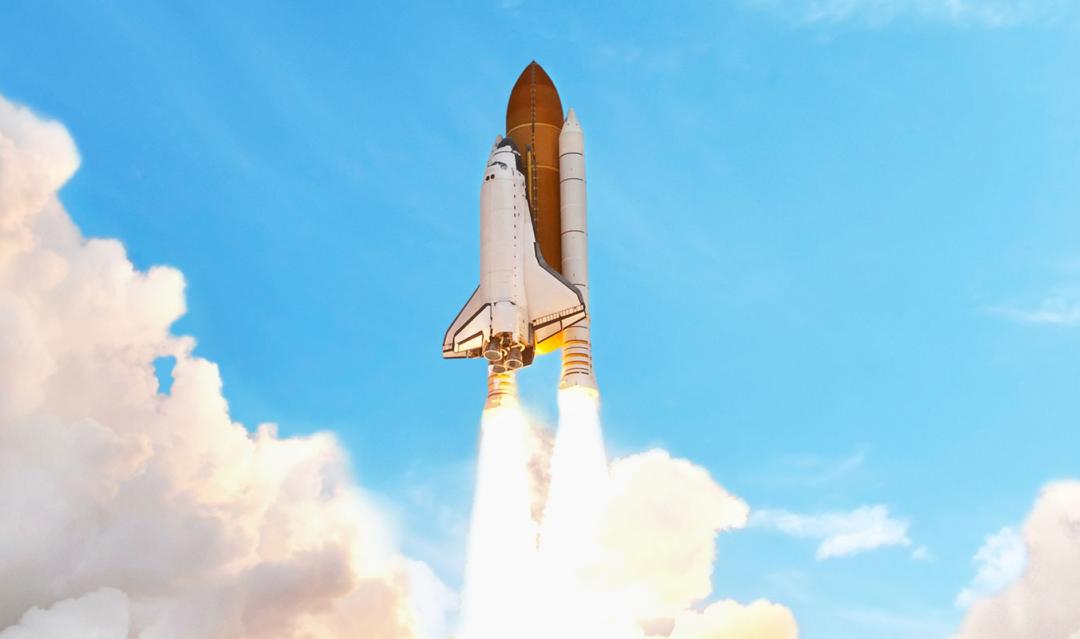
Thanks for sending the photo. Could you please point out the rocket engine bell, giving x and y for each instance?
(533, 292)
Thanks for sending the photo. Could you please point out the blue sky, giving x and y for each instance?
(834, 246)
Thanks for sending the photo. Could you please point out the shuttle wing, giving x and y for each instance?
(469, 330)
(554, 303)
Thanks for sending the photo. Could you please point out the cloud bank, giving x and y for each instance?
(130, 512)
(97, 615)
(841, 534)
(1045, 600)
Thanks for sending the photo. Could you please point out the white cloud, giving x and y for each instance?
(841, 534)
(658, 546)
(1043, 601)
(647, 564)
(729, 620)
(658, 532)
(1062, 309)
(983, 13)
(102, 614)
(195, 526)
(1001, 559)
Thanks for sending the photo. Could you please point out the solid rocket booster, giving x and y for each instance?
(577, 368)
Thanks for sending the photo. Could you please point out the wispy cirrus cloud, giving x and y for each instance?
(815, 470)
(980, 13)
(841, 534)
(1060, 309)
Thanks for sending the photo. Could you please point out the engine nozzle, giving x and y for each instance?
(513, 359)
(493, 351)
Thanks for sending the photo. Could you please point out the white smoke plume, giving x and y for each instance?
(500, 575)
(659, 532)
(1045, 600)
(626, 550)
(127, 512)
(658, 550)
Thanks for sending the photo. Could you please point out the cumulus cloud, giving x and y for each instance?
(982, 13)
(132, 512)
(657, 550)
(102, 614)
(658, 532)
(1043, 601)
(730, 620)
(1001, 559)
(841, 534)
(650, 553)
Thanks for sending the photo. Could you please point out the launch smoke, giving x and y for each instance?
(578, 607)
(501, 571)
(624, 550)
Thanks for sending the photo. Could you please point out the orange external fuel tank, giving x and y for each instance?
(534, 119)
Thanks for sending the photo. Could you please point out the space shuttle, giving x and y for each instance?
(521, 301)
(532, 297)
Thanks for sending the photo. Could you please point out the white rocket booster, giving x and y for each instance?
(577, 368)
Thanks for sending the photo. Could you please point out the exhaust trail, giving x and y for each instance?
(577, 605)
(579, 476)
(500, 576)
